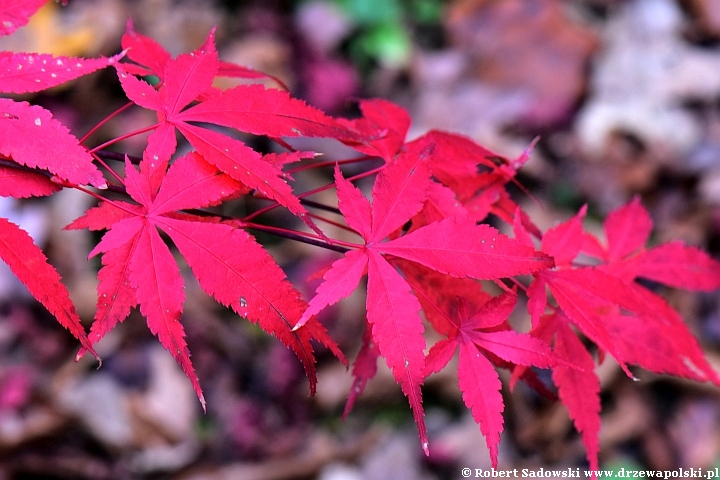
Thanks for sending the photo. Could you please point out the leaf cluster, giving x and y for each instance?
(422, 242)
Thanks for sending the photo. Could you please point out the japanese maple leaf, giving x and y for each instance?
(385, 125)
(30, 266)
(30, 136)
(579, 391)
(456, 161)
(18, 183)
(249, 108)
(438, 294)
(151, 58)
(491, 195)
(364, 368)
(625, 259)
(452, 246)
(478, 176)
(578, 388)
(441, 203)
(622, 317)
(139, 269)
(592, 301)
(33, 72)
(591, 296)
(627, 230)
(482, 335)
(581, 300)
(145, 51)
(16, 13)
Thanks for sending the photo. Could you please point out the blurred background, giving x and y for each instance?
(625, 95)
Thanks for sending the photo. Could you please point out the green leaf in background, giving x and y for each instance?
(425, 11)
(388, 43)
(372, 12)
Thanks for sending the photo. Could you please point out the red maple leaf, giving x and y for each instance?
(578, 388)
(477, 176)
(623, 318)
(248, 108)
(151, 58)
(33, 72)
(18, 183)
(675, 264)
(484, 338)
(16, 13)
(384, 125)
(30, 136)
(145, 51)
(452, 246)
(30, 266)
(438, 293)
(364, 368)
(138, 267)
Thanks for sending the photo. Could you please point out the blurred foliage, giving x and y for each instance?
(384, 35)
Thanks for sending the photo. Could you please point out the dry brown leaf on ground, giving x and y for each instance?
(525, 45)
